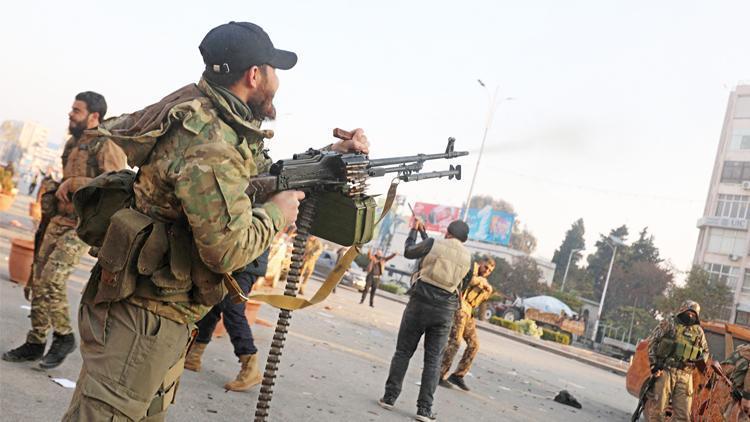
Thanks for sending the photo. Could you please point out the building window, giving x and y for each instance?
(746, 282)
(740, 139)
(723, 273)
(726, 242)
(733, 206)
(742, 318)
(742, 107)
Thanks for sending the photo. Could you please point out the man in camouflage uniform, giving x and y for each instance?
(465, 327)
(675, 346)
(736, 368)
(313, 249)
(135, 320)
(84, 157)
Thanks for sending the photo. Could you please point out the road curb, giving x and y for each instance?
(570, 352)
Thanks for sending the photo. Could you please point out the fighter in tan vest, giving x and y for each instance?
(465, 327)
(84, 157)
(446, 264)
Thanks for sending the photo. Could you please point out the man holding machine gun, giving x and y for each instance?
(434, 299)
(136, 316)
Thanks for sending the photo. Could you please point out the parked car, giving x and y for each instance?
(354, 277)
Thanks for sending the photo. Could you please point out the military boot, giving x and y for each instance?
(25, 352)
(458, 382)
(193, 358)
(249, 375)
(62, 345)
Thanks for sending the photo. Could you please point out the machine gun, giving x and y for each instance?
(335, 208)
(336, 183)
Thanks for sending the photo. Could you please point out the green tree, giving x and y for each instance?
(644, 250)
(637, 283)
(573, 240)
(598, 262)
(714, 296)
(623, 318)
(523, 279)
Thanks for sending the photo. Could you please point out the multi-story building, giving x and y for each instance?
(17, 138)
(723, 247)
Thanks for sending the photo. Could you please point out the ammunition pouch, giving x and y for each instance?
(677, 353)
(153, 260)
(118, 256)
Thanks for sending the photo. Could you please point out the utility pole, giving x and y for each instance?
(617, 242)
(567, 267)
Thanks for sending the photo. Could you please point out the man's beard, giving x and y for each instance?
(262, 106)
(76, 128)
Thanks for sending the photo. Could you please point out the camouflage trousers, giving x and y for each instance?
(464, 327)
(60, 252)
(676, 384)
(307, 270)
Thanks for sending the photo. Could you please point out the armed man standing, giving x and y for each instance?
(375, 269)
(434, 299)
(465, 327)
(676, 345)
(144, 295)
(84, 157)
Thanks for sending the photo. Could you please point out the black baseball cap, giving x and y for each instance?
(459, 230)
(237, 46)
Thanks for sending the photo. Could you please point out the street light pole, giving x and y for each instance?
(487, 124)
(567, 267)
(617, 243)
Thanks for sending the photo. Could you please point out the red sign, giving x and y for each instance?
(436, 217)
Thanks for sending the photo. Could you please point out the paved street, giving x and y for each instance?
(333, 369)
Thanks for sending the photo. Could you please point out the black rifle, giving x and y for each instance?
(647, 386)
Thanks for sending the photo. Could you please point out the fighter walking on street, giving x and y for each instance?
(433, 301)
(465, 327)
(84, 157)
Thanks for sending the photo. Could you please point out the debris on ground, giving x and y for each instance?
(564, 397)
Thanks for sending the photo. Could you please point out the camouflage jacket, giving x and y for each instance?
(736, 368)
(668, 330)
(197, 173)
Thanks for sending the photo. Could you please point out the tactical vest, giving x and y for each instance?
(683, 347)
(79, 159)
(474, 293)
(446, 264)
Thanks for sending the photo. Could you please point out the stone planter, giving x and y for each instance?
(20, 260)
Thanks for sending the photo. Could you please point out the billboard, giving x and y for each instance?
(485, 224)
(436, 217)
(488, 225)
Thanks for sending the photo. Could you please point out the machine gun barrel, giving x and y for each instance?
(454, 172)
(419, 158)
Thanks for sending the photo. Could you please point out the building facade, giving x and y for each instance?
(723, 247)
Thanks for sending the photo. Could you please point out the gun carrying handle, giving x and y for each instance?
(342, 134)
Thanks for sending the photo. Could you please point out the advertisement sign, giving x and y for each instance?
(436, 217)
(488, 225)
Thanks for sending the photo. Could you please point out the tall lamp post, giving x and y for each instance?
(567, 267)
(617, 242)
(490, 114)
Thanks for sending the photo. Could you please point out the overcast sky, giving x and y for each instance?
(617, 116)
